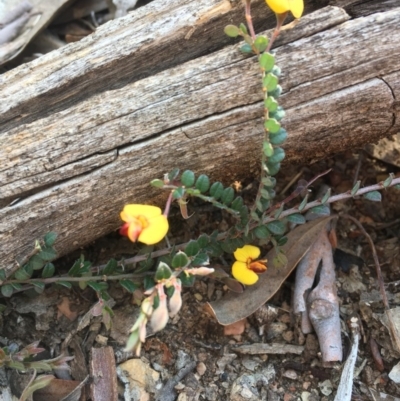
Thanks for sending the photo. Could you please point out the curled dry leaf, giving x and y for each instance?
(234, 307)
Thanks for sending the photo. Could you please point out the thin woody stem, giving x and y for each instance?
(249, 19)
(280, 19)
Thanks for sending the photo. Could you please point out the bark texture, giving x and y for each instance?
(84, 129)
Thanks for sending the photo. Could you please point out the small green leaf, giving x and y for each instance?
(227, 196)
(170, 291)
(188, 178)
(296, 218)
(148, 282)
(273, 168)
(178, 193)
(276, 227)
(355, 188)
(303, 203)
(50, 238)
(269, 182)
(2, 308)
(268, 149)
(48, 270)
(397, 186)
(326, 196)
(388, 181)
(276, 93)
(237, 203)
(172, 175)
(321, 210)
(36, 262)
(21, 274)
(278, 114)
(203, 240)
(228, 246)
(279, 137)
(180, 260)
(157, 183)
(261, 43)
(278, 212)
(66, 284)
(262, 232)
(216, 190)
(277, 71)
(110, 268)
(203, 183)
(232, 31)
(246, 49)
(271, 104)
(282, 241)
(163, 272)
(191, 249)
(2, 275)
(267, 61)
(129, 285)
(272, 125)
(374, 196)
(243, 28)
(215, 249)
(47, 254)
(255, 216)
(200, 259)
(97, 286)
(7, 290)
(39, 287)
(270, 83)
(278, 156)
(187, 280)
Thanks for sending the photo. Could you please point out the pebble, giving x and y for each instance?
(290, 374)
(326, 387)
(201, 368)
(394, 374)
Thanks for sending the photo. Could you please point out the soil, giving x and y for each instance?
(220, 372)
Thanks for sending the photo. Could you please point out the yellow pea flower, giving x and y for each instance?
(144, 223)
(246, 267)
(296, 7)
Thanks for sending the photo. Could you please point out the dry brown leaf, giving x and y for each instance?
(234, 307)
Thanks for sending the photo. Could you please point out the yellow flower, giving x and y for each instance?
(144, 223)
(296, 7)
(245, 268)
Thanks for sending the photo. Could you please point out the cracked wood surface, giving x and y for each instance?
(70, 168)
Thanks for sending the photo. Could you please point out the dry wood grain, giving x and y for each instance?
(339, 78)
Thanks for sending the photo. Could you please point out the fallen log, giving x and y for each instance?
(77, 142)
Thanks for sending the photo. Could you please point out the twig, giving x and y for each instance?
(346, 381)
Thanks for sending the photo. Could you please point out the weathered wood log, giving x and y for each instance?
(77, 143)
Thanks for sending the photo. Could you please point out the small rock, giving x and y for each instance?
(250, 364)
(201, 368)
(244, 389)
(102, 340)
(140, 374)
(290, 374)
(225, 360)
(326, 387)
(182, 360)
(394, 374)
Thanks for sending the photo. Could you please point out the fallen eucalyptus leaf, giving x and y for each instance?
(234, 307)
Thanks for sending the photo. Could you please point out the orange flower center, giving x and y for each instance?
(257, 266)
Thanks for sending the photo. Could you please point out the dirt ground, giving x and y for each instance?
(193, 340)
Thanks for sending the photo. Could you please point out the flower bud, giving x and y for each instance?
(200, 271)
(175, 302)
